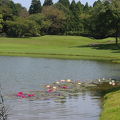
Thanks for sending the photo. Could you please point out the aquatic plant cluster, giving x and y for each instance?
(66, 88)
(25, 95)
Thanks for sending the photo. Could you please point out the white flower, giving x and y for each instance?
(62, 80)
(79, 83)
(68, 80)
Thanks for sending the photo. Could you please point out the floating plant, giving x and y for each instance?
(66, 88)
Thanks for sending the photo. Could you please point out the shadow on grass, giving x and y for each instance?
(116, 51)
(103, 93)
(102, 46)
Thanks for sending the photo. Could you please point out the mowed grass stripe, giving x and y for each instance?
(74, 47)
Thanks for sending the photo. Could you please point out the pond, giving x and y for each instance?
(26, 74)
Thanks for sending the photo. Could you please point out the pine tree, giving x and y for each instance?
(73, 6)
(48, 3)
(73, 9)
(97, 3)
(35, 7)
(1, 23)
(75, 23)
(79, 7)
(13, 7)
(86, 7)
(65, 3)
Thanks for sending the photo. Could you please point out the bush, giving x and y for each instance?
(21, 28)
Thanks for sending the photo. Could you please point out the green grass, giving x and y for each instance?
(111, 107)
(62, 47)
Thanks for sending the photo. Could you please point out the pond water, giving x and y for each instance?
(25, 74)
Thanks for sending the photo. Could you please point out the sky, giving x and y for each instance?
(26, 3)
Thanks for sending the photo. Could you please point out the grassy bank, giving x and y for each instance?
(62, 47)
(111, 107)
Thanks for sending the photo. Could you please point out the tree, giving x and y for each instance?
(21, 11)
(79, 7)
(48, 3)
(97, 3)
(73, 6)
(1, 23)
(61, 7)
(65, 3)
(57, 18)
(35, 7)
(86, 7)
(22, 29)
(42, 22)
(105, 20)
(115, 18)
(13, 7)
(100, 21)
(7, 10)
(74, 24)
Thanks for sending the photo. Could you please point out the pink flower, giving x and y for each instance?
(23, 96)
(50, 90)
(31, 95)
(65, 87)
(20, 93)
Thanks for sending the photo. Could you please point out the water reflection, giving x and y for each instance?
(82, 107)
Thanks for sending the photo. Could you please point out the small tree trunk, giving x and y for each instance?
(116, 40)
(116, 36)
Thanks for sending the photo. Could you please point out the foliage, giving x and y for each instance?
(1, 23)
(62, 8)
(42, 22)
(96, 3)
(79, 7)
(86, 7)
(21, 11)
(98, 21)
(21, 29)
(65, 3)
(48, 3)
(115, 19)
(35, 7)
(105, 19)
(56, 17)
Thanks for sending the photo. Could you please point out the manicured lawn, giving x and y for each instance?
(63, 47)
(111, 107)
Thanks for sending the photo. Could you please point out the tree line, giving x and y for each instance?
(62, 18)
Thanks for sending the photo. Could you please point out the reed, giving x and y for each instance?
(3, 110)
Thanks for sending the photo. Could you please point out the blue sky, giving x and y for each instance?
(26, 3)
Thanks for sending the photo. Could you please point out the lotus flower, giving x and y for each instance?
(48, 86)
(20, 93)
(79, 83)
(50, 90)
(69, 80)
(65, 87)
(62, 80)
(57, 82)
(23, 96)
